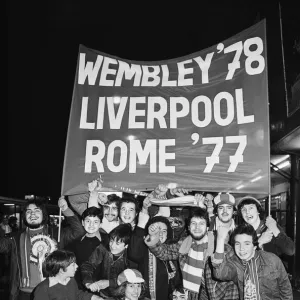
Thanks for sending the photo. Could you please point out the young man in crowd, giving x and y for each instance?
(271, 236)
(192, 251)
(111, 213)
(110, 263)
(129, 211)
(223, 216)
(259, 275)
(29, 247)
(94, 236)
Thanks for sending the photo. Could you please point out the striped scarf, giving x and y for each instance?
(194, 266)
(251, 282)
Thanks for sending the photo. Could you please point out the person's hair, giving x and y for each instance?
(198, 213)
(113, 198)
(247, 202)
(244, 229)
(41, 205)
(93, 212)
(177, 288)
(58, 259)
(121, 233)
(162, 220)
(129, 200)
(119, 292)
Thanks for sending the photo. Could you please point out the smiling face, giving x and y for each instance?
(243, 246)
(111, 211)
(251, 215)
(198, 228)
(91, 225)
(128, 212)
(133, 291)
(34, 216)
(225, 212)
(116, 246)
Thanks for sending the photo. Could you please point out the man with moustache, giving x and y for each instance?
(223, 213)
(223, 216)
(29, 247)
(191, 251)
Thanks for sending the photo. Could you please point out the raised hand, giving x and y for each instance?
(200, 199)
(92, 185)
(153, 229)
(222, 232)
(146, 202)
(272, 225)
(62, 203)
(102, 198)
(265, 238)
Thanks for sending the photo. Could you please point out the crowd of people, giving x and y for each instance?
(120, 248)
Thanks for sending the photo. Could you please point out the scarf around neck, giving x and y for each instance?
(251, 282)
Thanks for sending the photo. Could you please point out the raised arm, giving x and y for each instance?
(223, 268)
(161, 251)
(74, 229)
(283, 243)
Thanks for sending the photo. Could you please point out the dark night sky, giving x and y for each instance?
(43, 43)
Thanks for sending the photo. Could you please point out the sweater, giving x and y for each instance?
(59, 291)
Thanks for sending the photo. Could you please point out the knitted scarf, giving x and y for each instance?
(194, 266)
(171, 269)
(251, 283)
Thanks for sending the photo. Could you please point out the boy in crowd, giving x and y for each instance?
(271, 236)
(179, 294)
(259, 275)
(129, 211)
(61, 266)
(94, 236)
(109, 263)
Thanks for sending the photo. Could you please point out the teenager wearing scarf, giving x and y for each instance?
(259, 275)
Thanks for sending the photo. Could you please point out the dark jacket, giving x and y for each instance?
(274, 283)
(83, 248)
(108, 268)
(279, 245)
(12, 245)
(139, 253)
